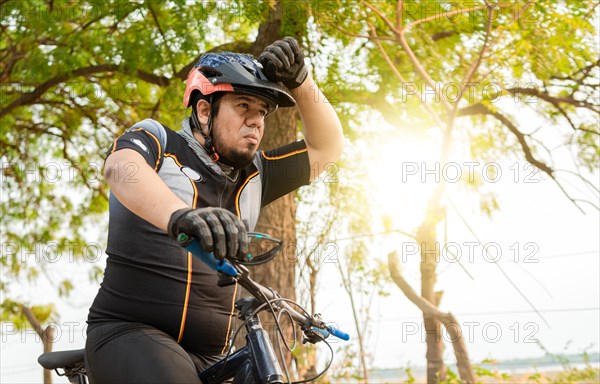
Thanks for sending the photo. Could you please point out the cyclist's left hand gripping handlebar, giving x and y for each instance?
(207, 257)
(210, 224)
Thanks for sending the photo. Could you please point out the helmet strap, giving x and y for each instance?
(208, 139)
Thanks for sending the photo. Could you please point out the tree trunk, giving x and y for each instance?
(278, 218)
(47, 336)
(430, 310)
(430, 253)
(47, 342)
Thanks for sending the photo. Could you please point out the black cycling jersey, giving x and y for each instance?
(149, 278)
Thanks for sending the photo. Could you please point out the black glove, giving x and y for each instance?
(284, 61)
(218, 231)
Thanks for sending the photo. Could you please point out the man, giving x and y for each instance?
(159, 315)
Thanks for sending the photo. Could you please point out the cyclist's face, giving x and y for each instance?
(238, 128)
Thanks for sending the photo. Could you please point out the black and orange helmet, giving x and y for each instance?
(234, 72)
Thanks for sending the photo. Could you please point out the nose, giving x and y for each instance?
(255, 119)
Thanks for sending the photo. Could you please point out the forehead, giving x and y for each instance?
(236, 97)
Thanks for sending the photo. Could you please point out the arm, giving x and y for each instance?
(321, 126)
(142, 192)
(284, 61)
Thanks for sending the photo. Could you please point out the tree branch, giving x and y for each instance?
(446, 15)
(155, 18)
(388, 38)
(450, 323)
(481, 109)
(235, 46)
(442, 35)
(413, 58)
(471, 71)
(585, 70)
(32, 319)
(399, 14)
(522, 10)
(594, 188)
(28, 98)
(389, 62)
(536, 92)
(387, 21)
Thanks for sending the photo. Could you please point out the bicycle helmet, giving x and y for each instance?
(234, 72)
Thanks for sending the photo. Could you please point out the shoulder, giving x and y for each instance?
(155, 129)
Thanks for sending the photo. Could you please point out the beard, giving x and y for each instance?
(231, 156)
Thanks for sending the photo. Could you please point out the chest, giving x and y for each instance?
(199, 186)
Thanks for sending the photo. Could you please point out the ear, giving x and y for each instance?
(203, 111)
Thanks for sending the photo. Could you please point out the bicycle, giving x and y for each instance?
(256, 362)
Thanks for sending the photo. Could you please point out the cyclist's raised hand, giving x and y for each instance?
(218, 230)
(284, 61)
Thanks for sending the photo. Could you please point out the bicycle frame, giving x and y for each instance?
(254, 363)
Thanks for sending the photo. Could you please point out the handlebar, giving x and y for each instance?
(311, 325)
(209, 259)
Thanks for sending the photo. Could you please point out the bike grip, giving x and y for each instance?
(323, 332)
(209, 259)
(337, 333)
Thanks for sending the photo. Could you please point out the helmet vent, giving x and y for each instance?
(250, 70)
(209, 72)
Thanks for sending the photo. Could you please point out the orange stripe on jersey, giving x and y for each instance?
(172, 156)
(114, 146)
(189, 262)
(239, 192)
(230, 317)
(284, 156)
(187, 297)
(115, 143)
(159, 148)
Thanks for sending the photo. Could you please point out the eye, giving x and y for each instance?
(244, 105)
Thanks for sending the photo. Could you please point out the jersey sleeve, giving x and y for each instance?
(284, 170)
(143, 142)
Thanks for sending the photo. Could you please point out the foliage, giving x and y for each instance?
(476, 63)
(74, 76)
(345, 370)
(571, 374)
(411, 378)
(568, 374)
(482, 372)
(589, 374)
(12, 313)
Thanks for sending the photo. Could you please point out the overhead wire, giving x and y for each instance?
(515, 312)
(514, 285)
